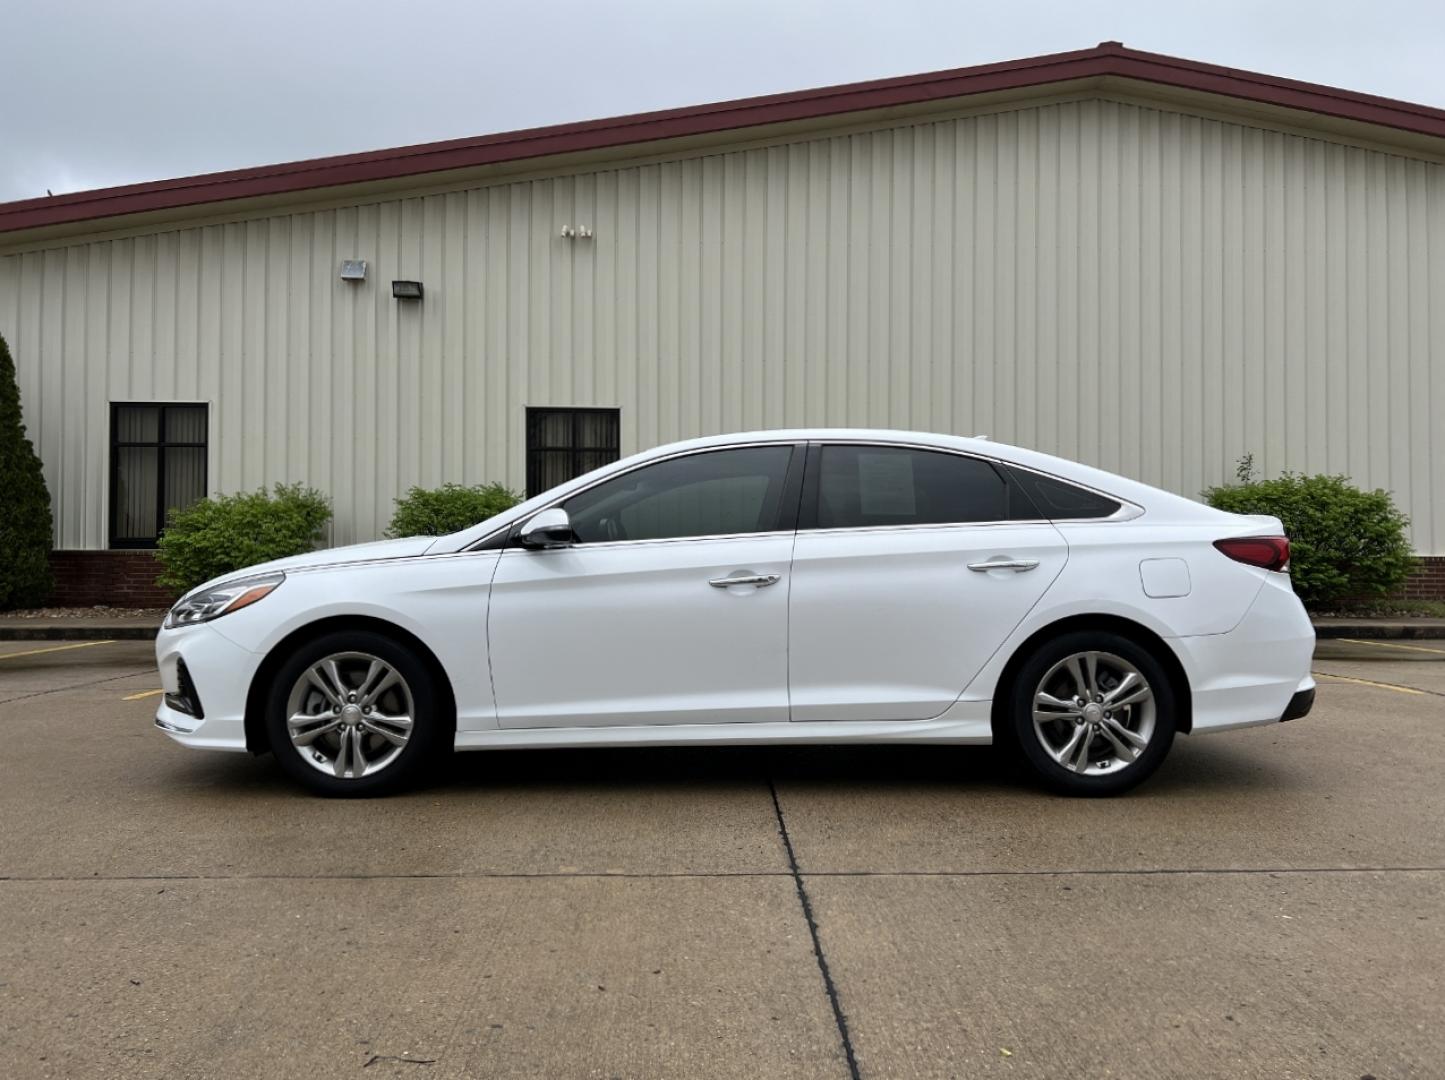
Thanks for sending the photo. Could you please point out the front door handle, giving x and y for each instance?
(744, 577)
(1018, 566)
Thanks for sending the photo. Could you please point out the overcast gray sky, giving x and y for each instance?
(101, 92)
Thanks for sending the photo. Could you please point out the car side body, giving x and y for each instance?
(878, 633)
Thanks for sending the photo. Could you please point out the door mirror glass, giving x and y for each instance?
(549, 529)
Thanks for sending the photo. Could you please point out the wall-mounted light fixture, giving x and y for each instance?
(353, 269)
(406, 290)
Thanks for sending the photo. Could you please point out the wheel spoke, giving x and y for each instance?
(358, 751)
(1138, 695)
(1123, 749)
(317, 678)
(375, 669)
(1079, 761)
(1133, 738)
(396, 738)
(397, 721)
(1076, 670)
(390, 679)
(1066, 751)
(336, 680)
(1126, 685)
(343, 754)
(1048, 701)
(1091, 672)
(306, 728)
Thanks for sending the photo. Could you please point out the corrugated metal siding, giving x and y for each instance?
(1150, 292)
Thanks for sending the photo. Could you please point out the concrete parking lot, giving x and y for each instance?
(1272, 904)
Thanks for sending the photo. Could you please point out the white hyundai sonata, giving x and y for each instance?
(821, 586)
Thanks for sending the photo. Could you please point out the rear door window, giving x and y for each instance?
(876, 486)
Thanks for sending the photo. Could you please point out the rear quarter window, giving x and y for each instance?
(1058, 500)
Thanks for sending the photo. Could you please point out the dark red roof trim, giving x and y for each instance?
(1109, 58)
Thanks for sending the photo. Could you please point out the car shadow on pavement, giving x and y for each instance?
(1214, 765)
(1197, 767)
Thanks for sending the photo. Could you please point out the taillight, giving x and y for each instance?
(1265, 552)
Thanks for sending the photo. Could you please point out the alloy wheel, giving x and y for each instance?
(1094, 713)
(350, 715)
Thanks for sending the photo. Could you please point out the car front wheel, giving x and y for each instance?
(352, 713)
(1092, 712)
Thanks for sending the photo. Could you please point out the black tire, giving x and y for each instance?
(1028, 743)
(426, 731)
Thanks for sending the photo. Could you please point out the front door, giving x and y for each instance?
(637, 622)
(894, 607)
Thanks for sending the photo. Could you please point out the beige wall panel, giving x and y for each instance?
(1148, 291)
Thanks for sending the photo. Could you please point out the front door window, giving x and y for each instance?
(718, 493)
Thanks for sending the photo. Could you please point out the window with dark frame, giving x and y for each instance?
(565, 443)
(862, 487)
(727, 492)
(157, 464)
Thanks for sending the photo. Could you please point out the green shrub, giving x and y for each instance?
(26, 530)
(1345, 544)
(231, 532)
(448, 509)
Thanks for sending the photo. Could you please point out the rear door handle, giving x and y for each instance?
(1018, 566)
(744, 577)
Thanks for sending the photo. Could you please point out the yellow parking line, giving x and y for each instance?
(142, 694)
(56, 648)
(1392, 645)
(1367, 682)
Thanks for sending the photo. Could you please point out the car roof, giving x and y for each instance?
(1154, 501)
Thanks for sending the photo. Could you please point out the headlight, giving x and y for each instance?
(208, 604)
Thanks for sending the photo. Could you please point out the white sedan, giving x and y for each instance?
(817, 586)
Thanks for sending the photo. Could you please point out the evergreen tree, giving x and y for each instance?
(25, 526)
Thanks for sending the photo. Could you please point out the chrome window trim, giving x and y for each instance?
(600, 545)
(795, 444)
(1127, 511)
(928, 526)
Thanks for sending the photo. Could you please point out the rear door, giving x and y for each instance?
(910, 568)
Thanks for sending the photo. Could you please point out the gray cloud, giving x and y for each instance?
(102, 93)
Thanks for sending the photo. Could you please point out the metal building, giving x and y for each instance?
(1145, 263)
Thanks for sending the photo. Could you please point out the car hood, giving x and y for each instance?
(341, 556)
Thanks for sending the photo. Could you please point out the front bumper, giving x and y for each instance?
(203, 672)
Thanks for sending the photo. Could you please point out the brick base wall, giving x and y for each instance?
(1428, 580)
(125, 579)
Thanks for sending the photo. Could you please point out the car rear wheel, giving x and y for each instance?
(1092, 713)
(352, 713)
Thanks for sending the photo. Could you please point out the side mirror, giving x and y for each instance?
(548, 529)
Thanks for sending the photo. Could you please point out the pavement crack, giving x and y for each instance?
(1399, 687)
(76, 686)
(818, 954)
(396, 1057)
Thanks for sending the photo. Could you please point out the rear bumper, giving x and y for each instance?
(1256, 672)
(1299, 705)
